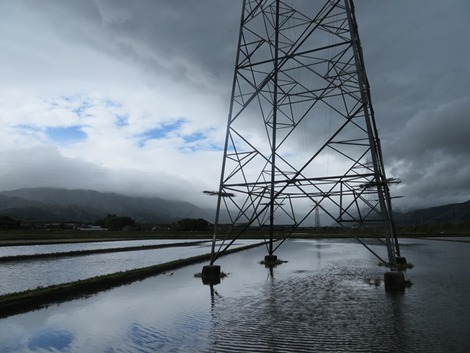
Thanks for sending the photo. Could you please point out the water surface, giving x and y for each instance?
(18, 276)
(318, 301)
(16, 250)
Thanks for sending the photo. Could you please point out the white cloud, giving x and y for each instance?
(118, 71)
(82, 77)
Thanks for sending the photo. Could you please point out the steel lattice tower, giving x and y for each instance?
(301, 133)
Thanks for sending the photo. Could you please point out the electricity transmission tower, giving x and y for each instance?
(317, 218)
(301, 134)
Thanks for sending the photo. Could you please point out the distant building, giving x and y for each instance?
(92, 228)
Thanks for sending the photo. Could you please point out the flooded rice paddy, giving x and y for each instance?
(319, 301)
(23, 275)
(68, 247)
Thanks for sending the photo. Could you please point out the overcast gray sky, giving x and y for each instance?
(133, 96)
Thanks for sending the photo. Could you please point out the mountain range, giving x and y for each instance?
(62, 205)
(451, 213)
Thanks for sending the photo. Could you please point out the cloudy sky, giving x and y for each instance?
(133, 96)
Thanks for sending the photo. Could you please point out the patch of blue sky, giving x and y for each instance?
(71, 134)
(215, 147)
(198, 136)
(109, 103)
(201, 147)
(200, 142)
(122, 120)
(160, 132)
(155, 134)
(77, 104)
(81, 109)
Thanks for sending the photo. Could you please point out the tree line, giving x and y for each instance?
(111, 222)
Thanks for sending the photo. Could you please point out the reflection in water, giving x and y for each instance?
(51, 339)
(315, 313)
(16, 250)
(305, 305)
(399, 327)
(23, 275)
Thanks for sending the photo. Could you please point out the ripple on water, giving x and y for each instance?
(309, 304)
(326, 311)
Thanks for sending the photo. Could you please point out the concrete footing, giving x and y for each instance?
(270, 259)
(394, 281)
(211, 274)
(400, 260)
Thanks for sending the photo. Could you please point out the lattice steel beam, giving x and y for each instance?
(301, 132)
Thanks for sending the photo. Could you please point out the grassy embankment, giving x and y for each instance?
(15, 303)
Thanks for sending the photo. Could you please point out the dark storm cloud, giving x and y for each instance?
(415, 54)
(155, 34)
(443, 129)
(431, 154)
(418, 66)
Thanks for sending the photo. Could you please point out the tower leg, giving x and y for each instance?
(394, 281)
(400, 260)
(270, 259)
(211, 274)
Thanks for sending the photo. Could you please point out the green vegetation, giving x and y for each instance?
(439, 229)
(193, 225)
(116, 223)
(9, 223)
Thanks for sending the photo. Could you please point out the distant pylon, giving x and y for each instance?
(317, 218)
(301, 128)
